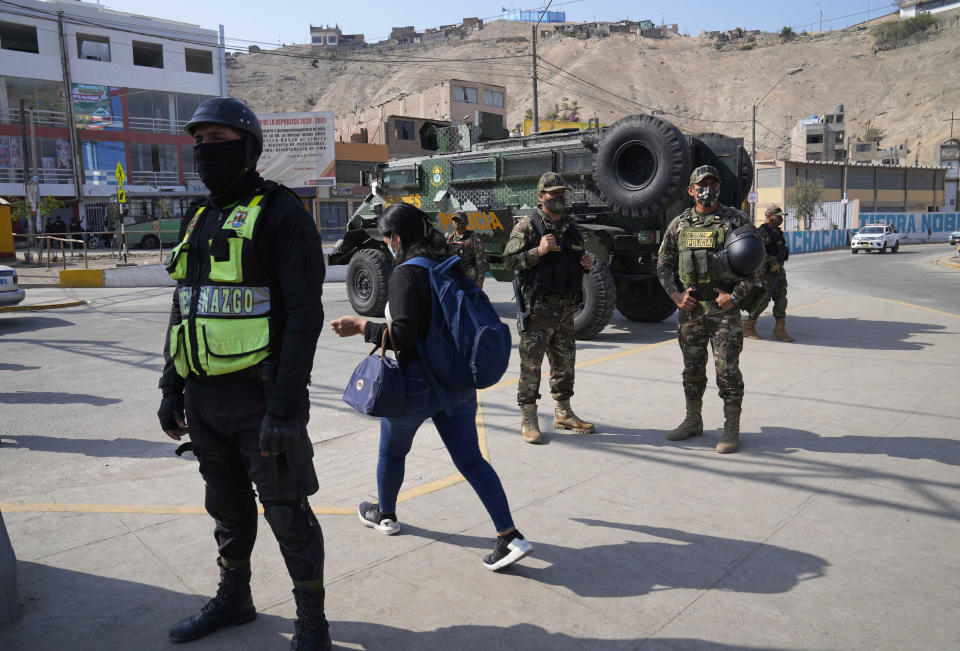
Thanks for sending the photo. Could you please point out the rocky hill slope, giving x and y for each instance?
(908, 92)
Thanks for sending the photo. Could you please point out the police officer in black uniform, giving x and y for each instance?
(240, 345)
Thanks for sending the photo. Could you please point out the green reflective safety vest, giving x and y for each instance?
(225, 324)
(697, 246)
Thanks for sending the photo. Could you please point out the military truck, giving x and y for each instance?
(626, 182)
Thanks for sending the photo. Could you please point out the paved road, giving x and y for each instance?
(834, 527)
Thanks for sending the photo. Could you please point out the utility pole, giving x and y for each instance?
(951, 123)
(753, 161)
(75, 159)
(536, 114)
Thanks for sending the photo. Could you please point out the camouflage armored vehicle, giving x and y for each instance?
(627, 181)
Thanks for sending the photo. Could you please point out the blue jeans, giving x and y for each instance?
(458, 432)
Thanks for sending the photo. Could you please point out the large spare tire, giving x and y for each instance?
(642, 165)
(367, 274)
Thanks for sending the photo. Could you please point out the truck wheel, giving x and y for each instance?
(883, 248)
(599, 300)
(895, 247)
(150, 241)
(647, 303)
(642, 164)
(367, 274)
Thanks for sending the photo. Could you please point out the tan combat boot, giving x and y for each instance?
(780, 331)
(564, 418)
(692, 425)
(530, 429)
(750, 329)
(731, 429)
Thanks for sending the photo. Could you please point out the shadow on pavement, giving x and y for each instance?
(378, 637)
(854, 333)
(65, 609)
(787, 440)
(17, 367)
(106, 351)
(11, 325)
(125, 447)
(55, 398)
(633, 568)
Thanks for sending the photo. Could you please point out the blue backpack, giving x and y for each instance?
(467, 345)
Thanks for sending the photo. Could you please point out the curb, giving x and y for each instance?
(42, 306)
(952, 265)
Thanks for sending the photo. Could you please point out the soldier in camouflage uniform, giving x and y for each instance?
(467, 245)
(708, 305)
(546, 252)
(773, 275)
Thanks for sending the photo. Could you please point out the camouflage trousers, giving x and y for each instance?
(779, 298)
(724, 332)
(549, 330)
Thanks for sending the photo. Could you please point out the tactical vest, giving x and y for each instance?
(464, 248)
(558, 272)
(777, 247)
(225, 324)
(697, 247)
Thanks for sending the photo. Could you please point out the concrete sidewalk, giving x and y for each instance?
(834, 527)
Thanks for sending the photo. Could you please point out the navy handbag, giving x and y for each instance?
(376, 386)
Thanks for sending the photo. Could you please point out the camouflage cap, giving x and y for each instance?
(703, 172)
(460, 216)
(772, 209)
(551, 181)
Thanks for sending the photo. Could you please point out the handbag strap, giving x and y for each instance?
(383, 343)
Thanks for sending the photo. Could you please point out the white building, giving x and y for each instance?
(103, 87)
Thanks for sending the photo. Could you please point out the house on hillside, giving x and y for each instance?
(399, 122)
(332, 38)
(910, 8)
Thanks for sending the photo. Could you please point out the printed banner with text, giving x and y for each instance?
(298, 148)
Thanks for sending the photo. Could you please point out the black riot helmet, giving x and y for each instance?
(743, 253)
(231, 112)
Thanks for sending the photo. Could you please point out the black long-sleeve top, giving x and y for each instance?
(410, 308)
(288, 248)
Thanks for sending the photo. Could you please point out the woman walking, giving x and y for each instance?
(408, 233)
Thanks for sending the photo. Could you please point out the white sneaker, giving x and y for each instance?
(371, 516)
(507, 553)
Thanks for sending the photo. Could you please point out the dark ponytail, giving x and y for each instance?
(417, 235)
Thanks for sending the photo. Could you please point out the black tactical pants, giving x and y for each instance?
(224, 420)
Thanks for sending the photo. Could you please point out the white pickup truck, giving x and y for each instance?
(876, 237)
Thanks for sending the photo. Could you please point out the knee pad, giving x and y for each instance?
(293, 523)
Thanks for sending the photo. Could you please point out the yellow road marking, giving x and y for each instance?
(48, 306)
(919, 307)
(404, 496)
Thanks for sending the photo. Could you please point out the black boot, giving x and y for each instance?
(313, 632)
(232, 605)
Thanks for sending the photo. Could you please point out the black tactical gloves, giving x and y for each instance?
(171, 414)
(279, 435)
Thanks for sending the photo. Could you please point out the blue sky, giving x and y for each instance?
(288, 21)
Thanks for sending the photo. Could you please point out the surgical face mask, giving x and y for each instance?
(220, 163)
(708, 196)
(555, 205)
(776, 221)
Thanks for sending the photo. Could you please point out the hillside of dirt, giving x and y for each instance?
(907, 92)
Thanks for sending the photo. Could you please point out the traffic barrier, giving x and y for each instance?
(81, 278)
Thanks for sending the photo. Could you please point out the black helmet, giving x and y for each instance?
(229, 111)
(743, 253)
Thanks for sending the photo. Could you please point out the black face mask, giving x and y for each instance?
(220, 163)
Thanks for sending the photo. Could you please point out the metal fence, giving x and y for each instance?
(829, 215)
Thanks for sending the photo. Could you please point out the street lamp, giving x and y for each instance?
(753, 147)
